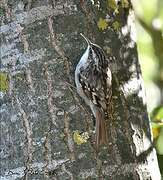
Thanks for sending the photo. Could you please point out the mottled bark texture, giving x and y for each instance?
(40, 109)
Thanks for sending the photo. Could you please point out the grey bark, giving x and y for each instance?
(40, 109)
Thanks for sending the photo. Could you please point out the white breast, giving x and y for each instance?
(82, 63)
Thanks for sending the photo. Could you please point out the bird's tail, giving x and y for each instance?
(101, 130)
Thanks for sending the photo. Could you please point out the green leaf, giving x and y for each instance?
(157, 114)
(157, 124)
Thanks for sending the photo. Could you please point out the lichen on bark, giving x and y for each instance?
(41, 110)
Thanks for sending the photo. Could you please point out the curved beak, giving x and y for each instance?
(86, 39)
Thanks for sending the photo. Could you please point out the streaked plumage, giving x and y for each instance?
(93, 80)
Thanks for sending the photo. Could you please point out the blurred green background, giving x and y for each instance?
(150, 48)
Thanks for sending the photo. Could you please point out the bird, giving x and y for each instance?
(93, 79)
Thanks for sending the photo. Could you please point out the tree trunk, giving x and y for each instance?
(44, 124)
